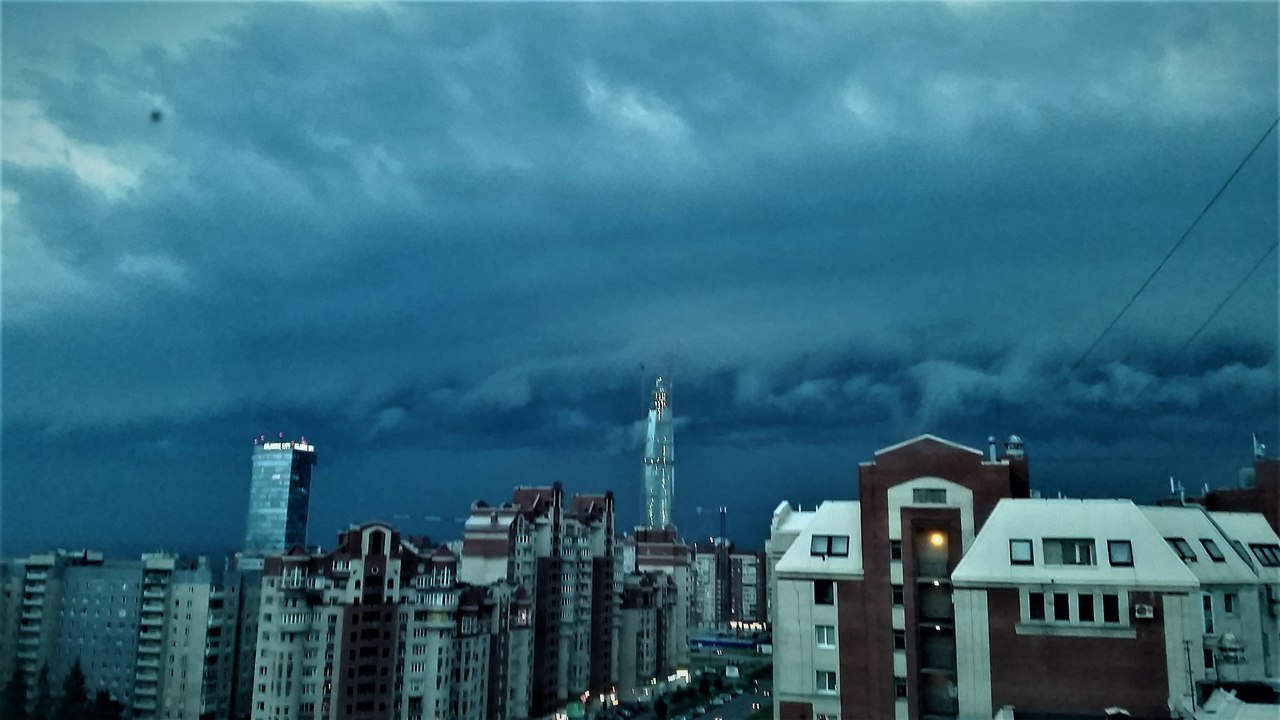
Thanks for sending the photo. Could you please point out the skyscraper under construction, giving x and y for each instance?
(659, 462)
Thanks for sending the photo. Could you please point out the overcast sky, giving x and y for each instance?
(452, 244)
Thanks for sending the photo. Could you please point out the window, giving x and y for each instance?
(1061, 607)
(1069, 551)
(1211, 547)
(1085, 602)
(1020, 552)
(895, 549)
(835, 545)
(824, 592)
(1206, 601)
(1229, 603)
(928, 495)
(1268, 555)
(1183, 548)
(1208, 658)
(1120, 552)
(899, 687)
(897, 596)
(1035, 605)
(826, 681)
(1110, 608)
(826, 635)
(899, 639)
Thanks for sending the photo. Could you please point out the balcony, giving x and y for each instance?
(32, 614)
(29, 601)
(148, 676)
(153, 606)
(148, 663)
(154, 593)
(145, 691)
(148, 649)
(154, 635)
(144, 705)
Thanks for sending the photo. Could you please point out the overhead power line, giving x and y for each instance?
(1257, 264)
(1186, 233)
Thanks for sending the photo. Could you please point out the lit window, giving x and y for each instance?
(1020, 552)
(826, 635)
(1183, 548)
(1211, 547)
(928, 495)
(826, 681)
(1069, 551)
(1120, 552)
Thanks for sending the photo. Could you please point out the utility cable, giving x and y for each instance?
(1187, 233)
(1257, 264)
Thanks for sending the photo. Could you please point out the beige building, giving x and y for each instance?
(381, 628)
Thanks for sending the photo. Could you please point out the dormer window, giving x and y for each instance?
(1069, 551)
(834, 545)
(1268, 555)
(1183, 548)
(1211, 547)
(1120, 553)
(1020, 552)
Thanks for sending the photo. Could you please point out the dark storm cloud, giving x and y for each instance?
(428, 233)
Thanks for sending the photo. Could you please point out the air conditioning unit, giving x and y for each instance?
(1142, 611)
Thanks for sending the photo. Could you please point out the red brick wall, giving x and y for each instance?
(1076, 674)
(795, 710)
(866, 633)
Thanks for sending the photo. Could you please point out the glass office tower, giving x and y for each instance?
(659, 462)
(279, 495)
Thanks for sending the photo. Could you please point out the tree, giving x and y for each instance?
(660, 709)
(75, 698)
(13, 702)
(42, 708)
(104, 708)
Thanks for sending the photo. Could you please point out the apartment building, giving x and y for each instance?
(947, 592)
(381, 628)
(648, 607)
(861, 577)
(565, 557)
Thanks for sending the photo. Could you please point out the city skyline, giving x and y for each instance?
(454, 255)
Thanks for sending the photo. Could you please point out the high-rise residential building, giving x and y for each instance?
(381, 628)
(648, 607)
(729, 587)
(567, 561)
(279, 496)
(663, 552)
(149, 632)
(659, 462)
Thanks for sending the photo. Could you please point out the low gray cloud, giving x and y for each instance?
(427, 229)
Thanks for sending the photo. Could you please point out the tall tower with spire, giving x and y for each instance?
(659, 462)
